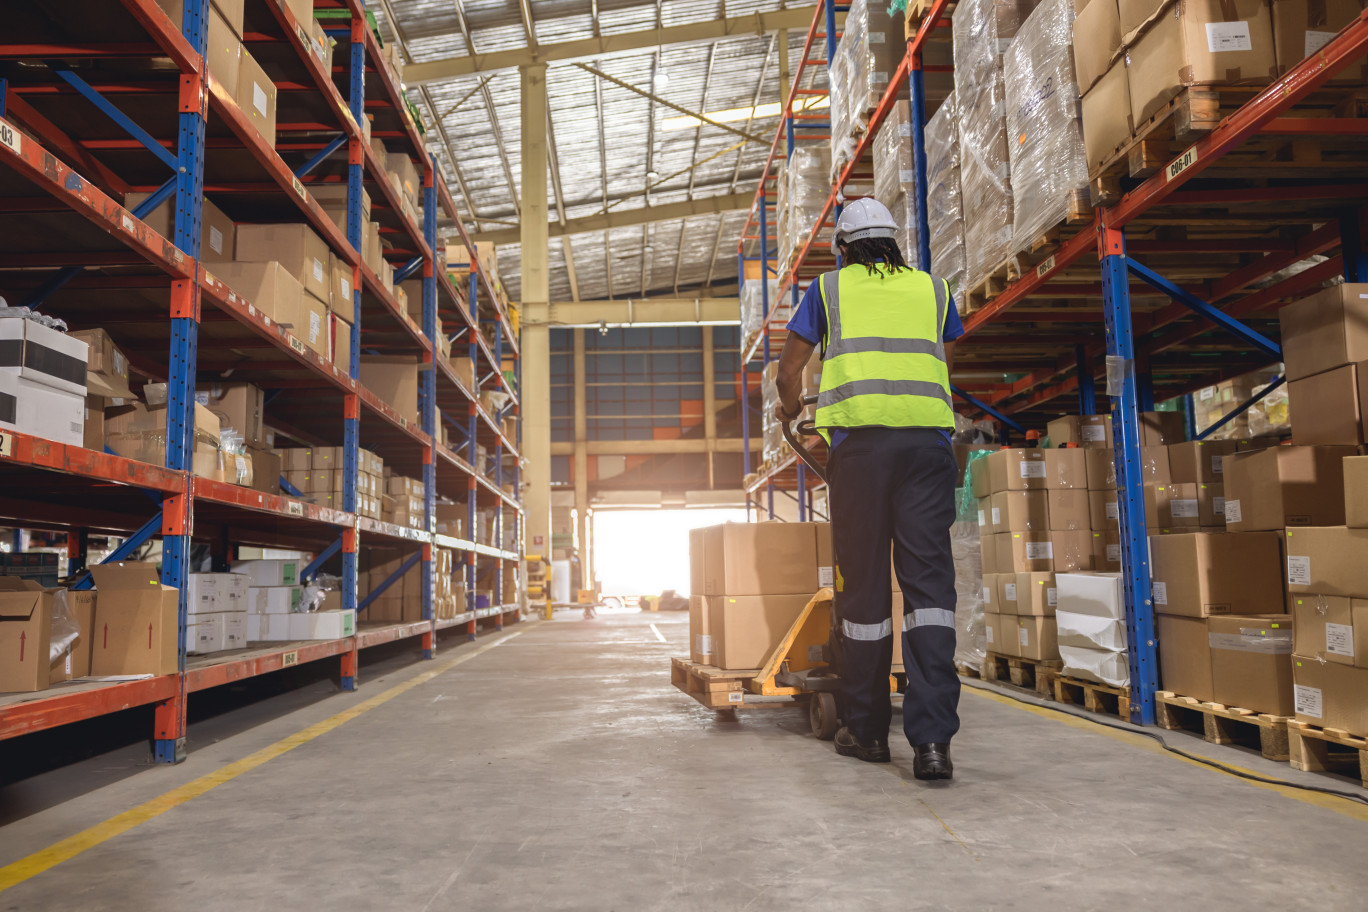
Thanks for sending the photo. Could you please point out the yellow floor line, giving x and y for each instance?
(1339, 805)
(55, 854)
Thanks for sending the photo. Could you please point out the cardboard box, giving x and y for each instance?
(256, 96)
(394, 378)
(1016, 470)
(991, 593)
(1324, 331)
(240, 406)
(81, 603)
(1133, 15)
(1024, 551)
(315, 328)
(401, 166)
(1020, 511)
(1037, 638)
(25, 635)
(204, 633)
(261, 573)
(987, 550)
(1103, 512)
(1005, 592)
(341, 297)
(302, 252)
(1199, 42)
(985, 513)
(331, 458)
(1211, 505)
(217, 231)
(1161, 429)
(269, 287)
(1332, 628)
(1327, 407)
(990, 630)
(265, 470)
(1068, 509)
(222, 51)
(328, 625)
(1355, 491)
(700, 637)
(1200, 574)
(1101, 465)
(1099, 25)
(341, 344)
(1072, 550)
(1064, 430)
(1157, 516)
(1199, 460)
(980, 482)
(1185, 656)
(1036, 594)
(1330, 696)
(138, 431)
(1301, 28)
(1107, 551)
(1285, 486)
(136, 621)
(760, 559)
(106, 366)
(41, 410)
(826, 555)
(1154, 466)
(1107, 119)
(42, 355)
(1006, 640)
(214, 593)
(1326, 560)
(746, 628)
(1066, 469)
(92, 433)
(274, 599)
(1184, 511)
(1251, 662)
(1096, 431)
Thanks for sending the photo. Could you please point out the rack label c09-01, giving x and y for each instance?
(10, 138)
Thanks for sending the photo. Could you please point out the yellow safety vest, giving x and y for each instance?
(884, 361)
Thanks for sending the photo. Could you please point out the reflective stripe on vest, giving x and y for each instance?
(884, 362)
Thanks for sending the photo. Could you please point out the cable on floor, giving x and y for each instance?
(1097, 719)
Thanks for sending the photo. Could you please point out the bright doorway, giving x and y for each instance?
(645, 552)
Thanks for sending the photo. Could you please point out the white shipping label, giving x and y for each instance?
(1033, 469)
(202, 397)
(1040, 550)
(1113, 511)
(1024, 635)
(259, 99)
(987, 595)
(1183, 508)
(1113, 554)
(318, 270)
(1207, 393)
(1316, 40)
(215, 240)
(826, 576)
(997, 516)
(1218, 504)
(1094, 433)
(907, 177)
(1216, 465)
(988, 634)
(983, 520)
(876, 37)
(10, 138)
(1009, 591)
(1052, 597)
(315, 326)
(1339, 639)
(346, 288)
(1298, 569)
(704, 646)
(1160, 592)
(1232, 511)
(1223, 37)
(1307, 700)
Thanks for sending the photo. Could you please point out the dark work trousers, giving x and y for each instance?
(895, 486)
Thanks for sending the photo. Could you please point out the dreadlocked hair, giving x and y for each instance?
(878, 255)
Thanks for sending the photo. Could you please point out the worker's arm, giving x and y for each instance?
(797, 351)
(950, 361)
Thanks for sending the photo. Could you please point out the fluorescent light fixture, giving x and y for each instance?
(731, 115)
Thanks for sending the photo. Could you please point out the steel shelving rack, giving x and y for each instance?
(1218, 221)
(125, 102)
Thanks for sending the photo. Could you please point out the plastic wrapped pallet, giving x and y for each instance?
(866, 58)
(894, 178)
(944, 213)
(1049, 171)
(753, 301)
(769, 395)
(807, 187)
(969, 628)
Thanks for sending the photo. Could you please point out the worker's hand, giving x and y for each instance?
(785, 415)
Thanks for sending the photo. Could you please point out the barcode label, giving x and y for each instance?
(1033, 469)
(1160, 592)
(1232, 511)
(1094, 433)
(1339, 639)
(1298, 569)
(1039, 551)
(1307, 700)
(1183, 509)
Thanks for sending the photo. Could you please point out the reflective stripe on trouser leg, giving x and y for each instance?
(929, 617)
(869, 632)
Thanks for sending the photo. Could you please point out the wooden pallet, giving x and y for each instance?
(1028, 673)
(1310, 750)
(916, 12)
(714, 687)
(1221, 724)
(964, 671)
(992, 284)
(1094, 697)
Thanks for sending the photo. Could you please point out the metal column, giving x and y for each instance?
(427, 397)
(1087, 387)
(536, 352)
(918, 109)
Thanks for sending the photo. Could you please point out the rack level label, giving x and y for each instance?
(1045, 267)
(296, 344)
(289, 658)
(10, 138)
(1181, 164)
(6, 444)
(294, 508)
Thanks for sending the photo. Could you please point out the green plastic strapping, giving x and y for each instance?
(897, 6)
(966, 506)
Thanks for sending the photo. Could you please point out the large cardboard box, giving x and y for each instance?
(1024, 551)
(1096, 431)
(1072, 550)
(1066, 469)
(265, 470)
(1210, 505)
(295, 246)
(1064, 430)
(1103, 512)
(217, 231)
(990, 631)
(256, 96)
(746, 628)
(1330, 696)
(1161, 429)
(45, 356)
(1099, 27)
(341, 297)
(700, 637)
(1037, 638)
(106, 366)
(394, 378)
(1020, 511)
(1016, 470)
(240, 406)
(1036, 594)
(25, 634)
(1356, 491)
(1101, 470)
(1285, 486)
(1107, 551)
(1325, 330)
(1185, 656)
(826, 555)
(1251, 662)
(1200, 42)
(1154, 466)
(222, 51)
(92, 434)
(1303, 27)
(1200, 574)
(1157, 515)
(1006, 639)
(81, 603)
(980, 481)
(1198, 460)
(987, 550)
(1184, 508)
(1005, 592)
(1332, 628)
(1107, 120)
(1069, 509)
(1327, 407)
(136, 623)
(315, 329)
(760, 559)
(42, 410)
(991, 593)
(269, 287)
(1326, 560)
(1134, 15)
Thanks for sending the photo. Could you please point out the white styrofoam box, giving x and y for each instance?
(207, 593)
(258, 625)
(299, 626)
(235, 630)
(1089, 631)
(48, 412)
(270, 572)
(331, 625)
(44, 355)
(204, 633)
(274, 599)
(9, 402)
(1095, 594)
(1100, 665)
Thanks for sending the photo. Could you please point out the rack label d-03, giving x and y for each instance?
(10, 138)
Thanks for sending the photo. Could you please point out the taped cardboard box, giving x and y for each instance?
(990, 631)
(296, 246)
(1332, 628)
(1324, 331)
(1303, 27)
(992, 592)
(25, 635)
(1327, 407)
(1107, 551)
(1211, 505)
(1199, 460)
(1037, 594)
(268, 287)
(240, 406)
(1037, 638)
(760, 559)
(394, 378)
(1200, 574)
(1072, 550)
(1251, 662)
(1020, 511)
(746, 628)
(136, 626)
(1107, 120)
(256, 96)
(1101, 465)
(700, 636)
(1005, 592)
(1285, 486)
(1185, 656)
(1024, 551)
(1327, 695)
(1326, 560)
(1069, 509)
(1066, 469)
(1103, 512)
(1014, 470)
(1099, 27)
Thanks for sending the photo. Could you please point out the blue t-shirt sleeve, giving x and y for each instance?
(809, 323)
(954, 327)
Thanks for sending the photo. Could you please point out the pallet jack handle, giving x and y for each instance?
(806, 428)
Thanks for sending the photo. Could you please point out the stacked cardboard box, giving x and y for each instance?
(403, 599)
(138, 431)
(305, 257)
(867, 56)
(35, 619)
(216, 612)
(402, 503)
(1325, 341)
(895, 178)
(1091, 626)
(1268, 418)
(748, 583)
(269, 609)
(42, 381)
(137, 617)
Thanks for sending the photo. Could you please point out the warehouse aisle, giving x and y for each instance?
(555, 768)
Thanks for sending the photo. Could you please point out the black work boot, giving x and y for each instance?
(874, 751)
(932, 761)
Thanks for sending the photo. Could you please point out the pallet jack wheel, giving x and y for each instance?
(822, 715)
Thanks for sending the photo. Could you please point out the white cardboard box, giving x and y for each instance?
(204, 633)
(331, 625)
(274, 599)
(1095, 594)
(1100, 665)
(47, 412)
(9, 401)
(234, 630)
(209, 593)
(270, 572)
(44, 356)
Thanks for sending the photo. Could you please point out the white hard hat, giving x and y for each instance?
(863, 218)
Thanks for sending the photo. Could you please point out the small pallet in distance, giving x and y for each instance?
(993, 284)
(966, 671)
(1028, 673)
(1310, 749)
(1221, 724)
(1094, 697)
(714, 687)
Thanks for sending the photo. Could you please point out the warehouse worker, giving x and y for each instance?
(887, 333)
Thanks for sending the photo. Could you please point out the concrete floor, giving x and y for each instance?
(560, 770)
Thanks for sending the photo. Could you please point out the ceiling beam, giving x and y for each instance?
(796, 17)
(636, 312)
(625, 219)
(656, 99)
